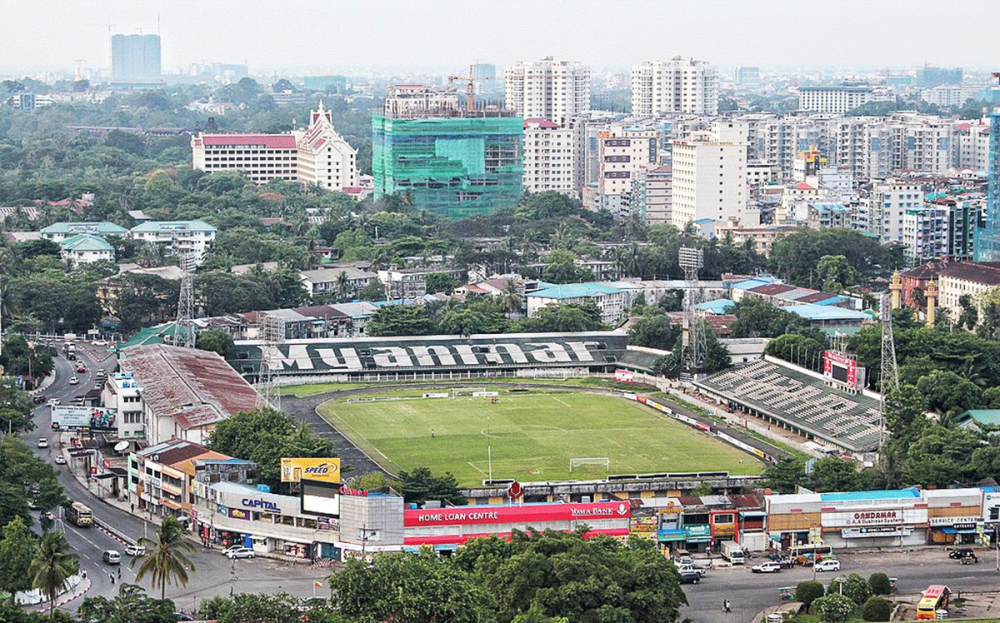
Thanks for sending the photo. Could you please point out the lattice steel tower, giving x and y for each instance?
(271, 329)
(694, 341)
(184, 335)
(889, 372)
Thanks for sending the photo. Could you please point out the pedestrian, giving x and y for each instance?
(432, 433)
(119, 573)
(112, 576)
(729, 608)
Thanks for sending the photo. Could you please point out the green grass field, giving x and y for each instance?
(533, 436)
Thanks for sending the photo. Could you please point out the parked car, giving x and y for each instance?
(690, 578)
(682, 569)
(135, 550)
(112, 557)
(828, 565)
(767, 567)
(43, 442)
(232, 548)
(240, 552)
(60, 459)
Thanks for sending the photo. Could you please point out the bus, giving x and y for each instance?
(80, 514)
(810, 553)
(934, 598)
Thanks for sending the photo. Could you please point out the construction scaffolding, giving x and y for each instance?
(455, 167)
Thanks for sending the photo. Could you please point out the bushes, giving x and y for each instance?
(834, 608)
(880, 584)
(808, 592)
(877, 609)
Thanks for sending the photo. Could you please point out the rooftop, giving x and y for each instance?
(86, 242)
(573, 291)
(893, 494)
(157, 226)
(812, 311)
(195, 387)
(267, 141)
(987, 273)
(173, 451)
(102, 228)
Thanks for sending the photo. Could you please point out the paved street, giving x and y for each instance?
(751, 592)
(215, 575)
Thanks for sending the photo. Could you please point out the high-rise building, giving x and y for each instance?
(451, 161)
(548, 89)
(930, 77)
(623, 151)
(553, 157)
(709, 175)
(987, 242)
(748, 77)
(316, 156)
(675, 86)
(135, 59)
(835, 99)
(883, 212)
(921, 143)
(328, 84)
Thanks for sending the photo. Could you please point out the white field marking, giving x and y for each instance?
(476, 468)
(561, 402)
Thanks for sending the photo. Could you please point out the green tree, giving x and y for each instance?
(808, 591)
(968, 312)
(948, 394)
(15, 406)
(471, 321)
(834, 474)
(798, 349)
(940, 456)
(167, 561)
(215, 340)
(401, 320)
(264, 436)
(796, 256)
(785, 475)
(834, 608)
(568, 318)
(835, 273)
(854, 588)
(880, 584)
(131, 605)
(561, 267)
(23, 478)
(53, 565)
(374, 291)
(654, 331)
(441, 282)
(254, 608)
(420, 485)
(877, 609)
(17, 549)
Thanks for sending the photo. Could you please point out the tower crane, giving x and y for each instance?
(470, 88)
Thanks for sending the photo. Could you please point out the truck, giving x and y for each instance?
(733, 552)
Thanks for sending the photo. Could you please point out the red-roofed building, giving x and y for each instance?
(317, 155)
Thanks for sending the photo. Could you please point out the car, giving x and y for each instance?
(81, 368)
(100, 342)
(135, 550)
(767, 567)
(53, 402)
(685, 560)
(682, 569)
(43, 442)
(233, 548)
(60, 459)
(49, 515)
(690, 578)
(38, 399)
(71, 356)
(239, 552)
(112, 557)
(101, 372)
(959, 553)
(828, 565)
(73, 380)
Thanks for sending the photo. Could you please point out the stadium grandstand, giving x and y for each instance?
(799, 400)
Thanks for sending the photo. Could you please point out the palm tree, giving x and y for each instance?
(510, 299)
(53, 565)
(166, 561)
(343, 287)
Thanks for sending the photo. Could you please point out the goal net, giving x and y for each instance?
(594, 460)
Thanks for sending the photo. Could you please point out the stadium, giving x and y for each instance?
(496, 408)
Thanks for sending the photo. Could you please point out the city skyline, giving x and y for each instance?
(306, 36)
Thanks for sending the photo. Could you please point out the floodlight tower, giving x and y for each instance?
(271, 329)
(889, 372)
(184, 335)
(695, 344)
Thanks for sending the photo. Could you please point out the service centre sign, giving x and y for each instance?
(516, 514)
(888, 517)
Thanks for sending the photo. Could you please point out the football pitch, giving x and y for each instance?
(533, 436)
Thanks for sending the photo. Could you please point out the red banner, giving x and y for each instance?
(515, 514)
(454, 539)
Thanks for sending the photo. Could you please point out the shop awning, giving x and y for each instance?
(950, 531)
(671, 535)
(753, 514)
(170, 504)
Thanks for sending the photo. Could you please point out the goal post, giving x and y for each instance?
(594, 460)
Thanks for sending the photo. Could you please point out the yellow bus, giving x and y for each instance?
(80, 514)
(934, 598)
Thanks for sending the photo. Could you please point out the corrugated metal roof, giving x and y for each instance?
(894, 494)
(574, 290)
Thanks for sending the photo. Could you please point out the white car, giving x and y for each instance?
(767, 567)
(239, 552)
(135, 550)
(100, 342)
(43, 442)
(60, 459)
(828, 565)
(53, 402)
(231, 548)
(74, 380)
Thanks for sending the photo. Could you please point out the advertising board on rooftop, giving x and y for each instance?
(94, 418)
(322, 469)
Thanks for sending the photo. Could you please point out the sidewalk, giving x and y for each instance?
(78, 590)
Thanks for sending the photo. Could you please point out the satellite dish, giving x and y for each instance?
(121, 446)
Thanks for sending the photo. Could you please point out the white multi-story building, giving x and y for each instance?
(317, 155)
(86, 249)
(835, 99)
(925, 234)
(883, 211)
(122, 393)
(188, 239)
(971, 144)
(709, 175)
(550, 89)
(553, 156)
(675, 86)
(622, 152)
(658, 196)
(921, 143)
(863, 145)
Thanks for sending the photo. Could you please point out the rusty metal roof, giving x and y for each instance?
(196, 387)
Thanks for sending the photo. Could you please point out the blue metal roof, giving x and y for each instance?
(718, 306)
(811, 311)
(574, 291)
(750, 284)
(893, 494)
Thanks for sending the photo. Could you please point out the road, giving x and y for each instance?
(750, 592)
(215, 575)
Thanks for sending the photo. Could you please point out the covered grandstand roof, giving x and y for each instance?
(799, 399)
(827, 313)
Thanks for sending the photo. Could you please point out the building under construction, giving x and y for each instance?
(455, 161)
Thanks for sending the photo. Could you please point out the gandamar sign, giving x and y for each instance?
(399, 354)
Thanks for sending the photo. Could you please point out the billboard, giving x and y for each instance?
(94, 418)
(320, 498)
(840, 368)
(517, 514)
(887, 517)
(321, 469)
(624, 376)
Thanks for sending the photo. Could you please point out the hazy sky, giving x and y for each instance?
(304, 36)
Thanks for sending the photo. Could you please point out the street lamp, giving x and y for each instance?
(841, 580)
